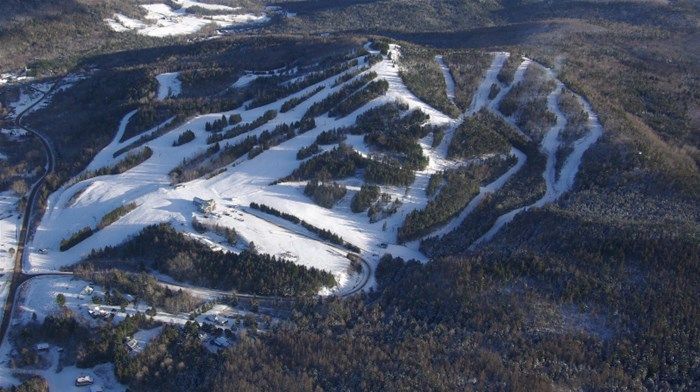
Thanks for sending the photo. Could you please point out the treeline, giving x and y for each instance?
(348, 75)
(524, 188)
(324, 193)
(363, 199)
(340, 162)
(186, 259)
(383, 208)
(468, 68)
(372, 91)
(218, 125)
(109, 218)
(160, 130)
(527, 103)
(187, 170)
(116, 214)
(273, 90)
(307, 151)
(76, 238)
(391, 131)
(337, 97)
(331, 136)
(241, 129)
(423, 77)
(130, 161)
(479, 135)
(252, 145)
(389, 172)
(294, 102)
(142, 286)
(343, 161)
(459, 188)
(227, 232)
(323, 233)
(184, 137)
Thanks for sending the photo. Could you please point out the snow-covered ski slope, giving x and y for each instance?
(82, 204)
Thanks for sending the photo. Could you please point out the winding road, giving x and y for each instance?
(18, 277)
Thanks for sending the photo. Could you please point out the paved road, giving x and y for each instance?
(17, 276)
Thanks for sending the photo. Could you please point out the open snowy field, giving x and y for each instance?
(162, 20)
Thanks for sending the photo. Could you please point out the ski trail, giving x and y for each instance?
(479, 100)
(169, 85)
(449, 81)
(517, 79)
(483, 192)
(550, 145)
(482, 93)
(551, 142)
(104, 157)
(568, 172)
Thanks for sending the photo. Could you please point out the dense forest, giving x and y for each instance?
(185, 259)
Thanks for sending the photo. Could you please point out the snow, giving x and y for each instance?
(449, 81)
(30, 95)
(162, 21)
(27, 98)
(550, 144)
(9, 235)
(145, 336)
(248, 180)
(215, 7)
(484, 191)
(169, 85)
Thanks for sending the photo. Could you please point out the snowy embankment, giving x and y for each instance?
(169, 85)
(161, 20)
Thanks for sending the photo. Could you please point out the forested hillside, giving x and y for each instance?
(450, 195)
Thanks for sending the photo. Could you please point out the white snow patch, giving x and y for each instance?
(449, 81)
(162, 21)
(169, 85)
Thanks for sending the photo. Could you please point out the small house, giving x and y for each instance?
(216, 319)
(87, 290)
(42, 346)
(204, 206)
(221, 342)
(132, 344)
